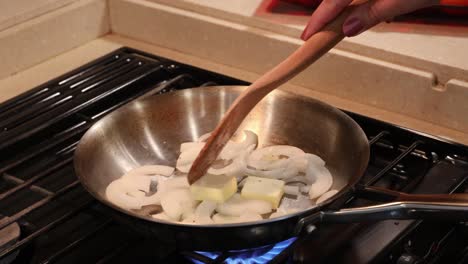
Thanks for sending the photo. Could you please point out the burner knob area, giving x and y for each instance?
(407, 259)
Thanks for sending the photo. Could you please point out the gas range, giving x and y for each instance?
(47, 217)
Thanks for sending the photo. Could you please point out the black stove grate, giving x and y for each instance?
(60, 222)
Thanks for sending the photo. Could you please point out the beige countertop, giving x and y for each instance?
(395, 42)
(67, 61)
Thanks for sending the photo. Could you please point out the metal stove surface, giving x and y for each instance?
(50, 218)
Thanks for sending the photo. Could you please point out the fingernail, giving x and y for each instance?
(352, 27)
(303, 35)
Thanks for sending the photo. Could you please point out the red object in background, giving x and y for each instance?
(307, 3)
(314, 3)
(451, 12)
(290, 7)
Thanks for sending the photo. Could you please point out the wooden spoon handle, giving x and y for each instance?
(313, 49)
(316, 46)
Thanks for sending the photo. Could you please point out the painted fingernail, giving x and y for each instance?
(308, 31)
(352, 27)
(304, 34)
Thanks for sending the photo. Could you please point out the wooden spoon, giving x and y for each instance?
(316, 46)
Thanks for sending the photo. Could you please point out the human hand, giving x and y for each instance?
(365, 16)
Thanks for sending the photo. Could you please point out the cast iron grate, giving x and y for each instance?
(59, 221)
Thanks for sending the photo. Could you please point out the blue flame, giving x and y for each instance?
(250, 256)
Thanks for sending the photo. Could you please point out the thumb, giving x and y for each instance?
(371, 13)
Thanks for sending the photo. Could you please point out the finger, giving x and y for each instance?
(373, 12)
(325, 12)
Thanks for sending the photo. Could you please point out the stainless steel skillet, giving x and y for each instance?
(150, 131)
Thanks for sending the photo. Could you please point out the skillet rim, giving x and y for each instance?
(121, 110)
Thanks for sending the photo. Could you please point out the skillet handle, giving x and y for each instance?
(405, 206)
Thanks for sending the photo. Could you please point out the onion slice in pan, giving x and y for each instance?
(149, 170)
(326, 196)
(291, 190)
(177, 202)
(291, 169)
(280, 212)
(173, 183)
(268, 158)
(226, 219)
(161, 216)
(323, 181)
(229, 152)
(204, 137)
(238, 167)
(280, 173)
(232, 148)
(186, 146)
(123, 192)
(204, 211)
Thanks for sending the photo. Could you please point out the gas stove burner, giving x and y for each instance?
(249, 256)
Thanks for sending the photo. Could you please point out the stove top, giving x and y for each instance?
(47, 217)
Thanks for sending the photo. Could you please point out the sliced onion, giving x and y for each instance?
(238, 167)
(300, 162)
(187, 157)
(173, 183)
(291, 169)
(186, 146)
(280, 169)
(153, 199)
(297, 179)
(117, 193)
(305, 188)
(177, 202)
(204, 137)
(226, 219)
(326, 196)
(268, 158)
(229, 152)
(248, 217)
(184, 168)
(234, 169)
(204, 211)
(315, 159)
(232, 149)
(188, 218)
(281, 173)
(312, 169)
(280, 212)
(291, 190)
(149, 210)
(161, 216)
(133, 183)
(323, 182)
(137, 194)
(127, 194)
(189, 214)
(237, 205)
(149, 170)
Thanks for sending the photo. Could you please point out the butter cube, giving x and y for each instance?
(269, 190)
(216, 188)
